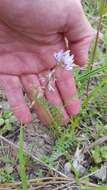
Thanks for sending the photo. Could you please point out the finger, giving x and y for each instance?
(80, 34)
(13, 90)
(53, 96)
(66, 85)
(35, 93)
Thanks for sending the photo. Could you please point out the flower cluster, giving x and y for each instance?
(65, 58)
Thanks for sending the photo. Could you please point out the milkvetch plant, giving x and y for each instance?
(63, 59)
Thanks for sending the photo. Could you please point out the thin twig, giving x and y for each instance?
(41, 182)
(51, 183)
(38, 180)
(66, 186)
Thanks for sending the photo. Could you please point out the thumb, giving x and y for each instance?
(79, 35)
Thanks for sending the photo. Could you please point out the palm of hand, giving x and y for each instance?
(27, 46)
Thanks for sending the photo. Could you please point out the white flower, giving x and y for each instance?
(58, 56)
(65, 58)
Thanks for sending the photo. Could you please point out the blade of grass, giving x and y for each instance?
(91, 62)
(95, 91)
(21, 158)
(103, 187)
(92, 73)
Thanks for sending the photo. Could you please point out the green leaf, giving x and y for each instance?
(7, 115)
(1, 121)
(104, 152)
(6, 159)
(12, 119)
(8, 126)
(96, 154)
(103, 187)
(103, 7)
(92, 73)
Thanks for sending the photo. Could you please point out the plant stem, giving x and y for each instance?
(21, 158)
(90, 67)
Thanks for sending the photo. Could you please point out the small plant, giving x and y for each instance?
(22, 161)
(6, 122)
(99, 154)
(6, 174)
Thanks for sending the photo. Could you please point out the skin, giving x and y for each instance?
(30, 33)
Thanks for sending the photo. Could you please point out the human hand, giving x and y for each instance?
(30, 33)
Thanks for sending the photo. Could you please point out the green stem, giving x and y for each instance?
(21, 158)
(90, 67)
